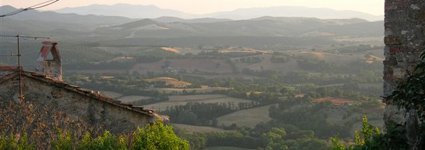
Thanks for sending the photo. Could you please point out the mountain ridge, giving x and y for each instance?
(152, 11)
(294, 11)
(263, 26)
(92, 27)
(89, 21)
(124, 10)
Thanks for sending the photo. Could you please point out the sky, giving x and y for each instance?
(375, 7)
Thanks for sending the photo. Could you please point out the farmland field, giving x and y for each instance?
(170, 81)
(226, 148)
(183, 100)
(189, 65)
(111, 94)
(132, 98)
(334, 101)
(203, 89)
(247, 118)
(198, 129)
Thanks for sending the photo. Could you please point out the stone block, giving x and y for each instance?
(388, 32)
(388, 77)
(421, 15)
(414, 7)
(394, 50)
(398, 73)
(390, 6)
(388, 70)
(392, 40)
(402, 4)
(396, 4)
(412, 59)
(390, 61)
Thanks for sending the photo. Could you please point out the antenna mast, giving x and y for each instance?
(21, 95)
(19, 68)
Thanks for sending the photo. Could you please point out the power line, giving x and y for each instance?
(36, 6)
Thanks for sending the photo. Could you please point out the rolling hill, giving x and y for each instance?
(151, 11)
(264, 26)
(112, 28)
(125, 10)
(52, 18)
(293, 11)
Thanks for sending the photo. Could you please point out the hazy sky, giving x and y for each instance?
(375, 7)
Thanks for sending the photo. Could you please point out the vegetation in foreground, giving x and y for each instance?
(26, 126)
(153, 137)
(408, 96)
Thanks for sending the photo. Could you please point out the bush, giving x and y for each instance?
(153, 137)
(158, 137)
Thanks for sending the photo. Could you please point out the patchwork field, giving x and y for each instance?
(247, 118)
(267, 64)
(334, 101)
(133, 99)
(184, 99)
(195, 98)
(197, 129)
(293, 56)
(188, 65)
(226, 148)
(331, 57)
(111, 94)
(170, 82)
(170, 49)
(203, 89)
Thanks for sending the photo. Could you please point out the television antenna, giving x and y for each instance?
(19, 68)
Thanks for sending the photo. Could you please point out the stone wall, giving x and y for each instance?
(77, 106)
(405, 41)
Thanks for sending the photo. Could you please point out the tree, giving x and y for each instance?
(275, 139)
(158, 137)
(367, 138)
(409, 96)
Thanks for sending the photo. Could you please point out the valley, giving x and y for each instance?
(225, 82)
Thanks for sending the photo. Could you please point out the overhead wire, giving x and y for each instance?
(33, 7)
(36, 6)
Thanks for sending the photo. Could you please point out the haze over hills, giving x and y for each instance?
(125, 10)
(264, 26)
(54, 20)
(265, 32)
(258, 32)
(293, 73)
(150, 11)
(165, 27)
(294, 11)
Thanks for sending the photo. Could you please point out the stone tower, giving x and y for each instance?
(405, 41)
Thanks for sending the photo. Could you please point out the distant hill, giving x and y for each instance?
(292, 11)
(72, 21)
(262, 32)
(125, 10)
(196, 20)
(264, 26)
(151, 11)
